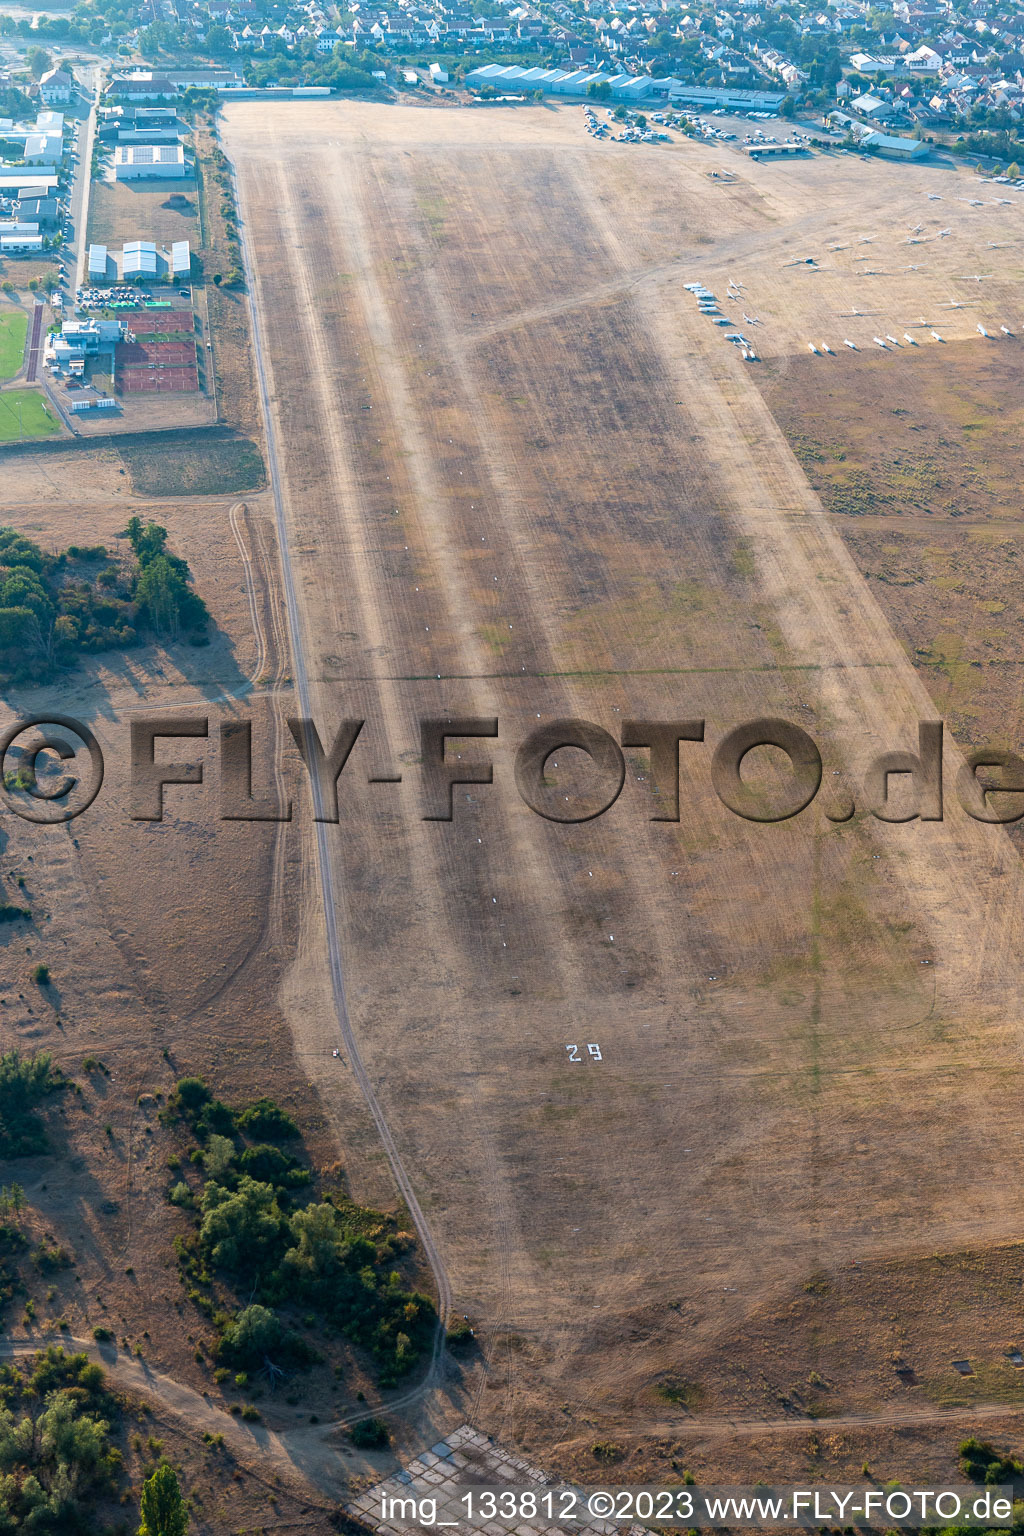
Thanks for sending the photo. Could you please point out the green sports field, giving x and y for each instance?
(13, 328)
(24, 413)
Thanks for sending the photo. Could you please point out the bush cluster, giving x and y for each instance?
(56, 1456)
(221, 171)
(53, 607)
(24, 1083)
(259, 1232)
(982, 1463)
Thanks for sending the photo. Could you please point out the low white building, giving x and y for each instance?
(12, 244)
(181, 259)
(133, 162)
(97, 263)
(43, 148)
(438, 75)
(79, 339)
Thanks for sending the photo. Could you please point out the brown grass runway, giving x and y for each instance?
(450, 413)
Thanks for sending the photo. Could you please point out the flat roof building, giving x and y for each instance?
(775, 151)
(17, 184)
(132, 162)
(181, 259)
(740, 101)
(79, 339)
(97, 262)
(12, 243)
(43, 210)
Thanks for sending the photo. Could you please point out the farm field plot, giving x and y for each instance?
(13, 331)
(522, 477)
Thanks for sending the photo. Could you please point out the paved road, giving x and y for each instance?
(82, 184)
(325, 865)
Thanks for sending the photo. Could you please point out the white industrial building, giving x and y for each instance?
(577, 82)
(138, 260)
(43, 148)
(43, 142)
(17, 184)
(97, 263)
(133, 162)
(890, 145)
(560, 82)
(738, 101)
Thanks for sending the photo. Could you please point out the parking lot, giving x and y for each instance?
(664, 123)
(92, 300)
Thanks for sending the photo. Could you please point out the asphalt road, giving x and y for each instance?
(80, 189)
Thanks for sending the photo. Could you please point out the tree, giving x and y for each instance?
(157, 594)
(788, 108)
(12, 1200)
(318, 1243)
(158, 37)
(255, 1333)
(38, 61)
(240, 1230)
(217, 1156)
(163, 1508)
(219, 40)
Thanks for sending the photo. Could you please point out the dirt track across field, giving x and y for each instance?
(521, 476)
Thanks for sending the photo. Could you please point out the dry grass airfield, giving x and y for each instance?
(522, 476)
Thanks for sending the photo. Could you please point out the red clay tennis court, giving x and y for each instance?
(158, 381)
(147, 322)
(166, 354)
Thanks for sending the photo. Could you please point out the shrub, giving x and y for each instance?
(102, 1335)
(23, 1083)
(191, 1095)
(370, 1434)
(606, 1450)
(267, 1121)
(58, 1461)
(48, 1258)
(272, 1166)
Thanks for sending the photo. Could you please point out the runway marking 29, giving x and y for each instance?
(593, 1051)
